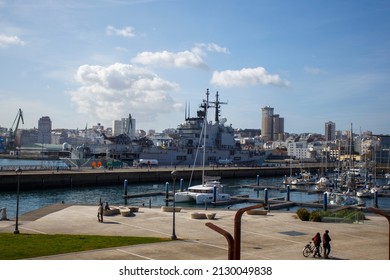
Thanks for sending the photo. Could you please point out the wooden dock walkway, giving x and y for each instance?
(274, 203)
(146, 194)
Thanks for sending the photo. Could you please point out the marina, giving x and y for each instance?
(129, 170)
(243, 191)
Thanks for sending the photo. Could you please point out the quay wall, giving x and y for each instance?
(30, 180)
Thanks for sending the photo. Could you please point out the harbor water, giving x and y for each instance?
(32, 200)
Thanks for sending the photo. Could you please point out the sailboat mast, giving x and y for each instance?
(206, 106)
(350, 149)
(217, 106)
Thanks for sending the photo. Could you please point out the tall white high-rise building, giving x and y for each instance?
(124, 126)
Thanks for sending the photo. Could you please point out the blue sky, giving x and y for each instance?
(88, 62)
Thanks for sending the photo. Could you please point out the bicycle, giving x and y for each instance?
(310, 249)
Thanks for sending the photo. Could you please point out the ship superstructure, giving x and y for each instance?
(220, 144)
(185, 148)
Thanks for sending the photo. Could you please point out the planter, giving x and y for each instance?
(257, 212)
(211, 216)
(198, 215)
(170, 209)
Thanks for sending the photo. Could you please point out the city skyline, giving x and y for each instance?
(88, 62)
(120, 127)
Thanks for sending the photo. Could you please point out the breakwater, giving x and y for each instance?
(99, 177)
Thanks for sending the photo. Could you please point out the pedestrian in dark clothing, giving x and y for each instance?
(317, 243)
(326, 244)
(100, 212)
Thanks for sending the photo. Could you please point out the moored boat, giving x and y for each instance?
(323, 183)
(363, 192)
(304, 179)
(209, 191)
(342, 199)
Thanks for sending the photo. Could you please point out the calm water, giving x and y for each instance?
(33, 200)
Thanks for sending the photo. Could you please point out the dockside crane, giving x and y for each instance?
(11, 143)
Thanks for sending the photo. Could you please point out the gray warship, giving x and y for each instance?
(185, 148)
(220, 143)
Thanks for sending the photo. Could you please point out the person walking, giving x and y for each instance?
(317, 243)
(326, 244)
(100, 213)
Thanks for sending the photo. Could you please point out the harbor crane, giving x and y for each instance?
(11, 143)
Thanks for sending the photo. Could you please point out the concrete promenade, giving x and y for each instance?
(275, 236)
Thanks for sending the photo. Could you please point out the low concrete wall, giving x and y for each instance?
(99, 177)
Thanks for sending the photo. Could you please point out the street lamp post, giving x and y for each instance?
(174, 175)
(18, 173)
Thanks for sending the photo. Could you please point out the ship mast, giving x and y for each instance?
(217, 106)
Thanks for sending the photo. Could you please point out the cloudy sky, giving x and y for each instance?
(92, 61)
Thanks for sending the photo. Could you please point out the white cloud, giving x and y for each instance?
(185, 59)
(120, 49)
(212, 47)
(247, 77)
(313, 70)
(108, 93)
(127, 31)
(10, 40)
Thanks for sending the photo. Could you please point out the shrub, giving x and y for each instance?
(303, 214)
(360, 215)
(348, 215)
(316, 216)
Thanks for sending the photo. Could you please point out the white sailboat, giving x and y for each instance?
(211, 189)
(363, 192)
(323, 183)
(305, 178)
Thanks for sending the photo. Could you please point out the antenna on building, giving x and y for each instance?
(185, 111)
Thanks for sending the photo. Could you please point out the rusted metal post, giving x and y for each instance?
(387, 216)
(228, 237)
(234, 244)
(237, 229)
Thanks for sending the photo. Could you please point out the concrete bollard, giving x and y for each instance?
(376, 199)
(166, 193)
(181, 184)
(288, 193)
(215, 193)
(325, 201)
(125, 186)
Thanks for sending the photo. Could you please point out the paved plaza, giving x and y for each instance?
(278, 235)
